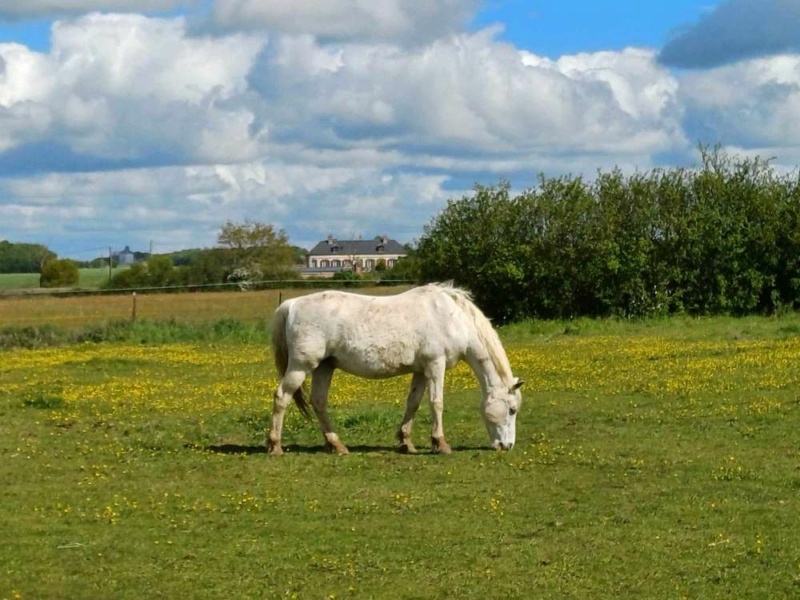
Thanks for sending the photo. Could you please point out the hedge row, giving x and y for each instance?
(723, 238)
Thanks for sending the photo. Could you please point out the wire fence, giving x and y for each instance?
(301, 284)
(188, 304)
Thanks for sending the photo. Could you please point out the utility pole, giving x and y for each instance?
(109, 264)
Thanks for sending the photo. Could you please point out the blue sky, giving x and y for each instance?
(555, 28)
(552, 28)
(356, 118)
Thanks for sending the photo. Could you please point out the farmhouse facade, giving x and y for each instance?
(331, 256)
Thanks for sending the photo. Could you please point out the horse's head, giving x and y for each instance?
(500, 415)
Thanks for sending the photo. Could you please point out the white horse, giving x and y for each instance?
(423, 331)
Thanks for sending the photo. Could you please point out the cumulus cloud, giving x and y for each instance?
(736, 30)
(134, 126)
(350, 20)
(751, 104)
(129, 89)
(134, 122)
(468, 96)
(44, 8)
(182, 207)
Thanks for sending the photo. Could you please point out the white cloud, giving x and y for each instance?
(314, 137)
(136, 129)
(26, 83)
(349, 20)
(24, 9)
(750, 104)
(126, 87)
(469, 95)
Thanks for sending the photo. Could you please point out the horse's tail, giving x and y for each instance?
(280, 351)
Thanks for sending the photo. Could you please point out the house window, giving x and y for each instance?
(390, 263)
(324, 264)
(370, 264)
(336, 263)
(313, 263)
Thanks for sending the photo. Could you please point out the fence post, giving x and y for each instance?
(133, 310)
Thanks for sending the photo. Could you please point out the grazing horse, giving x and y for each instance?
(423, 331)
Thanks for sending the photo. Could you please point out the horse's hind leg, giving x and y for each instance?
(289, 384)
(320, 384)
(418, 383)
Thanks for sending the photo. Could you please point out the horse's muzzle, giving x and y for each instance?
(498, 445)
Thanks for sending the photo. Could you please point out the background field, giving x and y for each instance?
(656, 459)
(89, 279)
(70, 312)
(18, 281)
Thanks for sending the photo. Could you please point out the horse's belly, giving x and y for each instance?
(376, 361)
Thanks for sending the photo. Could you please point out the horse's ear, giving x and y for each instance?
(517, 384)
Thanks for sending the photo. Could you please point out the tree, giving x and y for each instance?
(23, 258)
(156, 272)
(404, 269)
(59, 273)
(475, 242)
(719, 239)
(257, 248)
(206, 266)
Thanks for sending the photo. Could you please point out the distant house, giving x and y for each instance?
(126, 257)
(330, 256)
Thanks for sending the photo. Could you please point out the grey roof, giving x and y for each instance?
(357, 247)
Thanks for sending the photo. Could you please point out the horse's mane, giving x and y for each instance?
(483, 326)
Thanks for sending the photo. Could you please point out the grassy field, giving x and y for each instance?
(89, 279)
(18, 281)
(658, 459)
(79, 311)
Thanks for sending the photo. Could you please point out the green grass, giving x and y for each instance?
(18, 281)
(96, 278)
(88, 279)
(655, 460)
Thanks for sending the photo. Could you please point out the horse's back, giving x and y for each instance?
(375, 336)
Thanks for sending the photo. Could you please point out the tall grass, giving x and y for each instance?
(146, 332)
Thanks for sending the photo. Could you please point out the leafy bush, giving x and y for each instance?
(157, 272)
(59, 273)
(724, 238)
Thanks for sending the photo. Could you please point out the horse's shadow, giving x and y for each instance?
(317, 449)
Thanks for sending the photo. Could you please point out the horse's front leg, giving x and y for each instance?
(289, 384)
(435, 375)
(320, 384)
(418, 383)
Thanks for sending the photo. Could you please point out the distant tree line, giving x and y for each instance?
(23, 258)
(721, 238)
(246, 253)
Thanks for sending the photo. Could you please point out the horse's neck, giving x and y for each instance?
(485, 371)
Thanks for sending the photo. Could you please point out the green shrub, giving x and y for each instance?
(720, 239)
(59, 273)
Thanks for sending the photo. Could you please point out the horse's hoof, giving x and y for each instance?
(274, 449)
(439, 446)
(337, 448)
(407, 448)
